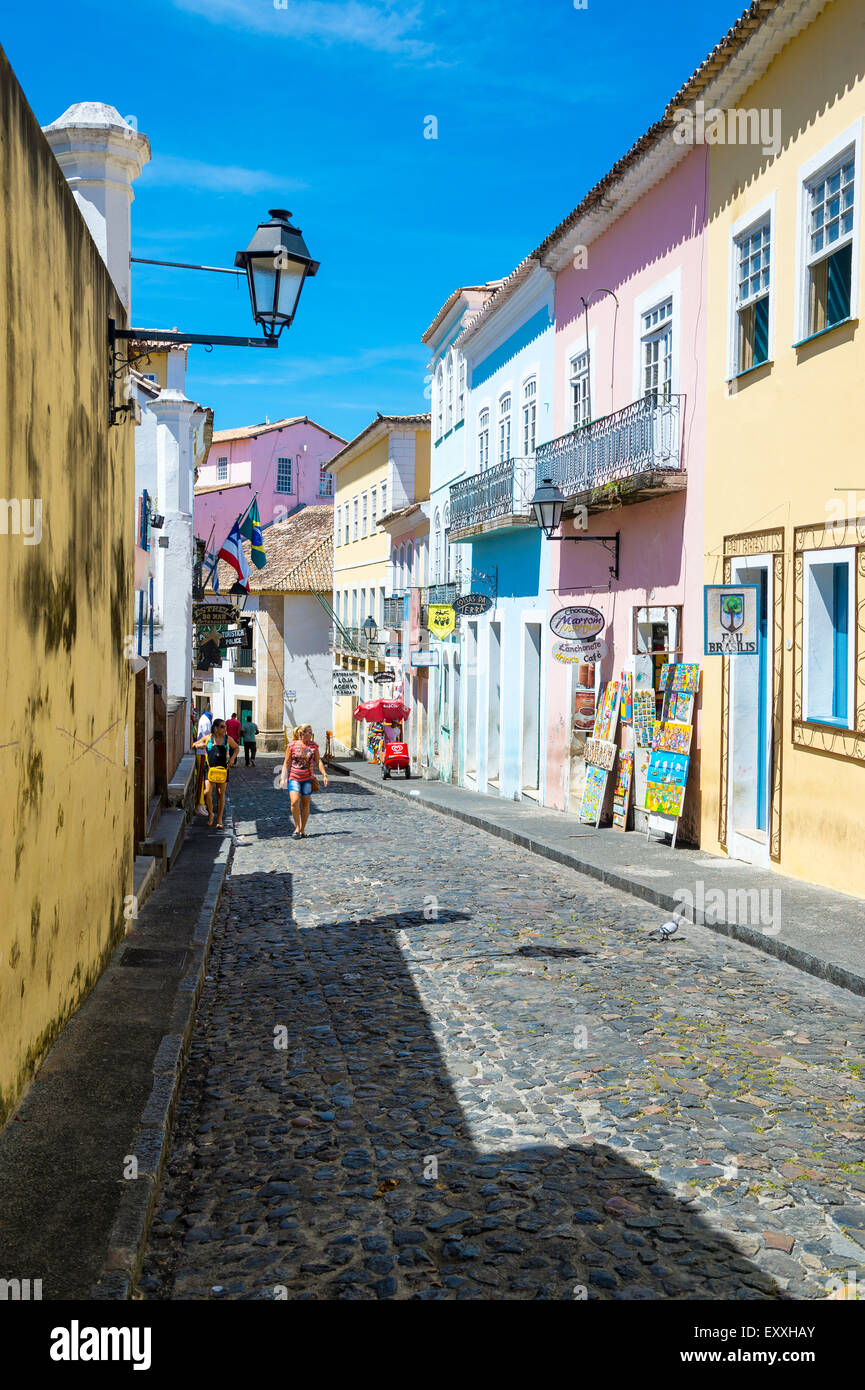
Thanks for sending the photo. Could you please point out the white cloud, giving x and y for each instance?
(382, 27)
(173, 171)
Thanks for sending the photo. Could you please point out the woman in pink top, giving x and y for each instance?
(298, 772)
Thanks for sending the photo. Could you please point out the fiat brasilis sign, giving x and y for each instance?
(580, 622)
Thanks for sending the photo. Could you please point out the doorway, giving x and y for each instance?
(750, 752)
(531, 731)
(494, 708)
(472, 702)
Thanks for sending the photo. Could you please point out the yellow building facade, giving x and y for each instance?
(784, 731)
(66, 577)
(380, 471)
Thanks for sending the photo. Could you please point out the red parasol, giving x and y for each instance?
(383, 711)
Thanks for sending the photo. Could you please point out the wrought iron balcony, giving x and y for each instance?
(639, 445)
(497, 497)
(440, 593)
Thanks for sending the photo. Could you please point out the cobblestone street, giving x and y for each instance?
(428, 1064)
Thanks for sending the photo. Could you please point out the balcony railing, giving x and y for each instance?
(643, 438)
(440, 593)
(504, 490)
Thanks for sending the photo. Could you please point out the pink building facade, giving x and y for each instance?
(282, 462)
(628, 446)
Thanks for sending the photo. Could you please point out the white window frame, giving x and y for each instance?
(337, 518)
(449, 394)
(364, 514)
(529, 414)
(483, 457)
(583, 375)
(807, 175)
(222, 464)
(461, 388)
(670, 287)
(383, 498)
(437, 556)
(505, 419)
(285, 491)
(812, 559)
(355, 518)
(440, 395)
(346, 522)
(763, 212)
(373, 510)
(409, 564)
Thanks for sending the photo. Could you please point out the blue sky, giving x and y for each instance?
(319, 106)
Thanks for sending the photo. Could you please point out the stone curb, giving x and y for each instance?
(128, 1238)
(769, 945)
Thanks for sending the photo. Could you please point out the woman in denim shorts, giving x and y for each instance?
(298, 770)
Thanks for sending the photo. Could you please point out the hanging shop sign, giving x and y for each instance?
(569, 653)
(731, 619)
(233, 639)
(471, 605)
(441, 619)
(427, 658)
(384, 677)
(578, 623)
(344, 683)
(213, 613)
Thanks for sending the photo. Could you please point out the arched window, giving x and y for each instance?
(505, 427)
(409, 565)
(446, 552)
(400, 568)
(461, 388)
(437, 553)
(530, 415)
(483, 439)
(449, 393)
(439, 400)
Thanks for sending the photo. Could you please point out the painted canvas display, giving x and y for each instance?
(593, 795)
(686, 677)
(665, 791)
(644, 717)
(642, 757)
(601, 753)
(626, 709)
(608, 711)
(622, 791)
(674, 737)
(679, 706)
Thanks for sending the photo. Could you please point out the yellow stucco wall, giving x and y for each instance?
(66, 604)
(781, 443)
(361, 563)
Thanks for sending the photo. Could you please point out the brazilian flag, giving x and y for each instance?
(250, 529)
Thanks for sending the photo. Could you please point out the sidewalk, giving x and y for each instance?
(106, 1092)
(815, 929)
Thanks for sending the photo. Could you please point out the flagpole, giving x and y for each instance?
(244, 515)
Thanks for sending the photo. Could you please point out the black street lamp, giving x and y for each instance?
(239, 595)
(276, 262)
(547, 505)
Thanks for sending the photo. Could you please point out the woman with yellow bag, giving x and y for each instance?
(221, 753)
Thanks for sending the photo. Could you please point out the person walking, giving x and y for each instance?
(249, 734)
(205, 723)
(221, 752)
(299, 772)
(233, 727)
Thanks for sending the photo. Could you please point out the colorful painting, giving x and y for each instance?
(665, 790)
(644, 717)
(686, 677)
(674, 738)
(626, 710)
(622, 791)
(662, 678)
(642, 757)
(608, 711)
(600, 753)
(656, 733)
(593, 795)
(681, 706)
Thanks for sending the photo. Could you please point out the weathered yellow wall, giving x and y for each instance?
(65, 608)
(779, 447)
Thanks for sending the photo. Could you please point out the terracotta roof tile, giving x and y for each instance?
(299, 555)
(251, 431)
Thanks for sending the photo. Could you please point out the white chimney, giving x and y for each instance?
(100, 154)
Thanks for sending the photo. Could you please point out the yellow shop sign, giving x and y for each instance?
(442, 619)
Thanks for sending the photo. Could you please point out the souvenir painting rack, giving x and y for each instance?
(670, 756)
(600, 754)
